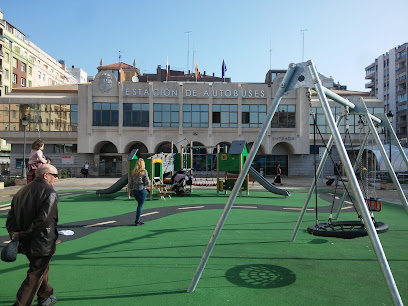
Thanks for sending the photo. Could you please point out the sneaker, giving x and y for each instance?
(139, 223)
(51, 300)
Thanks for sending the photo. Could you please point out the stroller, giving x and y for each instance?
(180, 180)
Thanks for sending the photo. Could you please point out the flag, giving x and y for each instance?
(197, 75)
(224, 68)
(167, 68)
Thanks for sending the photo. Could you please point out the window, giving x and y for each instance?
(14, 62)
(195, 115)
(253, 115)
(6, 89)
(135, 114)
(23, 82)
(225, 115)
(30, 70)
(105, 114)
(165, 115)
(65, 148)
(6, 74)
(285, 117)
(74, 117)
(7, 57)
(39, 75)
(14, 78)
(23, 67)
(337, 111)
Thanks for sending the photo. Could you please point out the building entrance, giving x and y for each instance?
(266, 164)
(110, 166)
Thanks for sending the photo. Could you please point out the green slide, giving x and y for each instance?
(122, 182)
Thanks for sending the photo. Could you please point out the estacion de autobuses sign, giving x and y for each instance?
(167, 92)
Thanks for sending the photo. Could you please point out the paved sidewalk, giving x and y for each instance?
(293, 184)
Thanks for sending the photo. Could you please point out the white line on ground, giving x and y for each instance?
(102, 223)
(7, 241)
(347, 207)
(3, 205)
(193, 207)
(244, 207)
(348, 202)
(295, 208)
(5, 208)
(151, 213)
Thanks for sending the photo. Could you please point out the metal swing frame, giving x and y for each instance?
(305, 75)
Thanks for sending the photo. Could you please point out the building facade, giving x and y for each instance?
(387, 77)
(103, 121)
(23, 64)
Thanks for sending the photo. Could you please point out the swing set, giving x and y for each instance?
(346, 229)
(305, 75)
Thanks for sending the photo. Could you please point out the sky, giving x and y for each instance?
(341, 37)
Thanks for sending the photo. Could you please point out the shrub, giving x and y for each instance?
(64, 173)
(9, 182)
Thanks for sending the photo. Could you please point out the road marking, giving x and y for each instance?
(5, 208)
(7, 241)
(3, 205)
(244, 207)
(295, 208)
(348, 202)
(102, 223)
(151, 213)
(347, 207)
(193, 207)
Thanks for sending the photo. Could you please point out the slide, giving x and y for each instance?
(265, 183)
(122, 182)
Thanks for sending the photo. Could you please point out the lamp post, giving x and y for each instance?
(390, 117)
(24, 123)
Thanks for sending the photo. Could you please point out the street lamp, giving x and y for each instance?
(24, 123)
(390, 117)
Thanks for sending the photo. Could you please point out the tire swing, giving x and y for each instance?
(339, 229)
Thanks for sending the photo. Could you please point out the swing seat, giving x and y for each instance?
(344, 229)
(374, 204)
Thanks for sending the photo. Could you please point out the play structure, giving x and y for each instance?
(156, 166)
(164, 167)
(231, 164)
(305, 75)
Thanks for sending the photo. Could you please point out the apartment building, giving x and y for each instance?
(387, 77)
(23, 64)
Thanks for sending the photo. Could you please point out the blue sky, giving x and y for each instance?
(342, 37)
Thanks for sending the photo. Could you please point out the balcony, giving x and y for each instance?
(370, 75)
(1, 38)
(370, 85)
(400, 69)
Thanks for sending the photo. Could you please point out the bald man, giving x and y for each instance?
(33, 219)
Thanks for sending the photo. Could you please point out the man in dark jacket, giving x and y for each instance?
(33, 220)
(337, 172)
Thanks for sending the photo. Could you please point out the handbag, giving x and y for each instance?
(9, 252)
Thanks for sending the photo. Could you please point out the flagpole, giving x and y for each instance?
(167, 70)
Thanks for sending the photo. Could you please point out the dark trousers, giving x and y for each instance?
(140, 196)
(36, 283)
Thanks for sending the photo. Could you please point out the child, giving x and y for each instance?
(36, 158)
